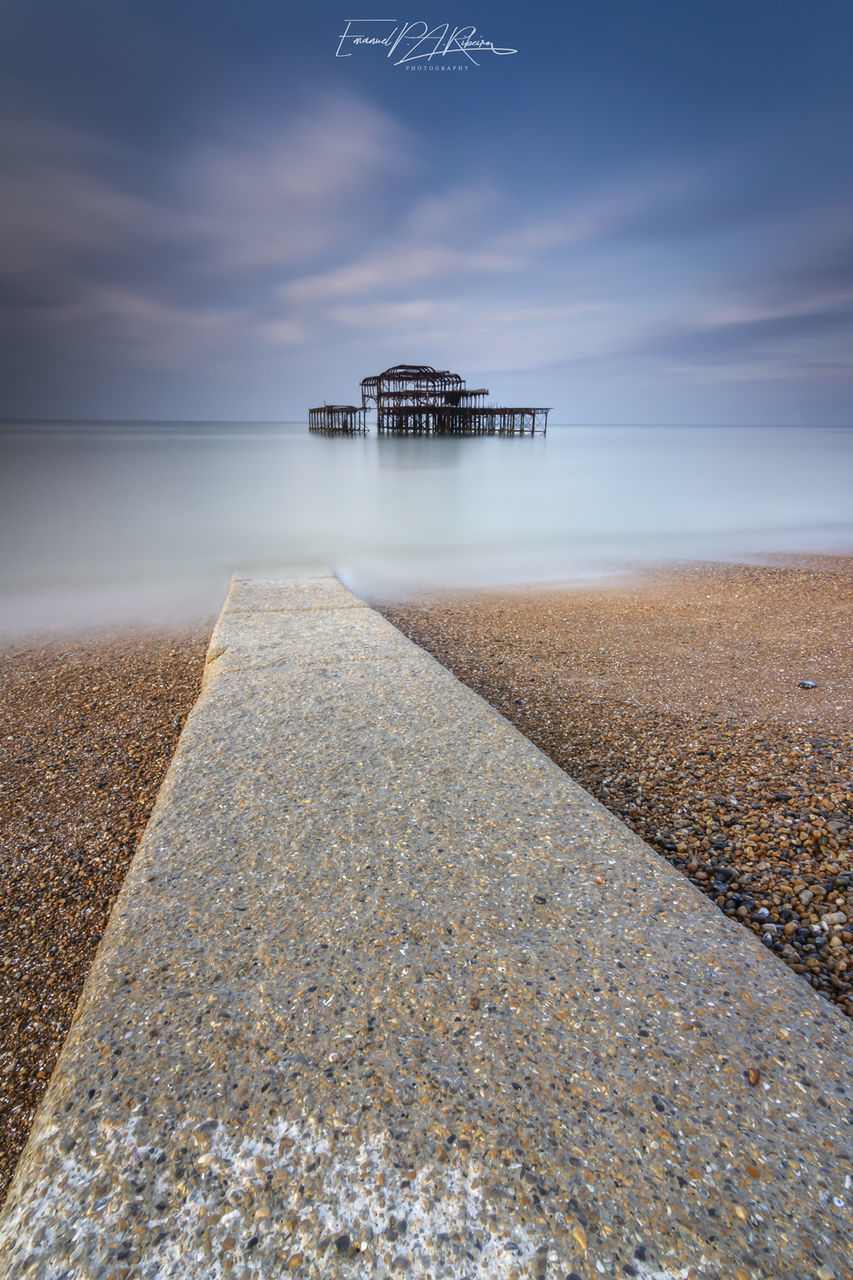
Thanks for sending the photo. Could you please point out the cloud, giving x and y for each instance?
(738, 338)
(816, 269)
(492, 337)
(398, 268)
(469, 271)
(58, 203)
(464, 232)
(792, 317)
(188, 265)
(267, 197)
(263, 195)
(269, 239)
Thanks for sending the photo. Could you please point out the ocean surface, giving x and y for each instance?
(129, 523)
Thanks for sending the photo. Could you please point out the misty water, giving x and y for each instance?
(145, 523)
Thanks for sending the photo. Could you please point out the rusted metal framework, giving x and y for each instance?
(348, 419)
(415, 399)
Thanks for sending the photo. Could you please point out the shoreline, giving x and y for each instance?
(665, 695)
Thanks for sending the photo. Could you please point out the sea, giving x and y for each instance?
(129, 524)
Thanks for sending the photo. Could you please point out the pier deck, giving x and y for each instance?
(344, 419)
(386, 994)
(468, 420)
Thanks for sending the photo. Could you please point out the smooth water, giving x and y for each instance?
(129, 523)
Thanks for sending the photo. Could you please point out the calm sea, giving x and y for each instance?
(146, 522)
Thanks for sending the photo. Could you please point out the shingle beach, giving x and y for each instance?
(632, 710)
(676, 699)
(385, 993)
(87, 729)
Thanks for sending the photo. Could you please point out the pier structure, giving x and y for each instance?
(348, 419)
(415, 399)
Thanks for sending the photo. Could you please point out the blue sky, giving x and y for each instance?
(645, 214)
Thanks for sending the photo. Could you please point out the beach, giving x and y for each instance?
(674, 697)
(87, 730)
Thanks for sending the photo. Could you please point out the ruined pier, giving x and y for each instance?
(419, 400)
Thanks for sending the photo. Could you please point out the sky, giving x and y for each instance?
(629, 210)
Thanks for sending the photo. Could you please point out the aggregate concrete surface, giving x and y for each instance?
(386, 994)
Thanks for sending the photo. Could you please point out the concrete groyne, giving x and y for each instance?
(386, 994)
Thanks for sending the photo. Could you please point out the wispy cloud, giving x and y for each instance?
(268, 198)
(791, 318)
(59, 204)
(168, 273)
(462, 232)
(269, 239)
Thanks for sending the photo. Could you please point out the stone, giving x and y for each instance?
(325, 794)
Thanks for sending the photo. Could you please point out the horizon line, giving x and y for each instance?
(4, 421)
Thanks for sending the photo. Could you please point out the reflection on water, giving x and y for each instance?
(420, 453)
(135, 521)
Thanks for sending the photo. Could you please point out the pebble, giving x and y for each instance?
(87, 730)
(671, 698)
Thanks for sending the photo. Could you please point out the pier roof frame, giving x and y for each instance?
(417, 380)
